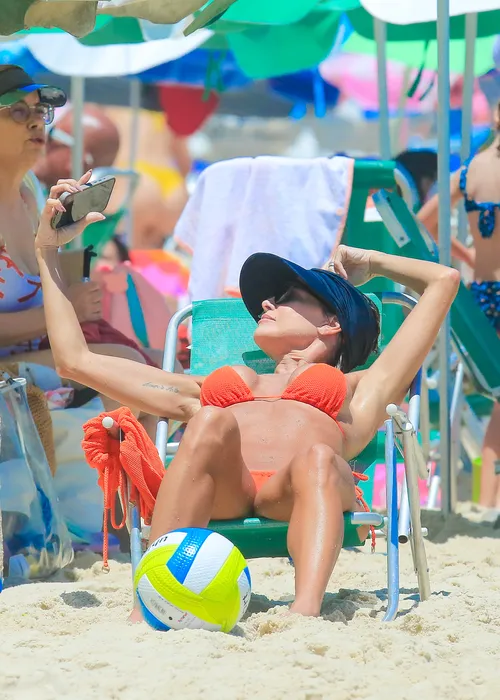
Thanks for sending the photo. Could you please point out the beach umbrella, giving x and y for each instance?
(78, 17)
(304, 88)
(61, 53)
(269, 39)
(418, 53)
(356, 77)
(112, 30)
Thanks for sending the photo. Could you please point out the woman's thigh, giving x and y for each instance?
(211, 446)
(275, 499)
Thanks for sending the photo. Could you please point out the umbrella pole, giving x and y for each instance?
(380, 30)
(77, 102)
(135, 107)
(403, 99)
(467, 96)
(444, 342)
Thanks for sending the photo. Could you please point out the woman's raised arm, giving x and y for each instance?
(146, 388)
(390, 376)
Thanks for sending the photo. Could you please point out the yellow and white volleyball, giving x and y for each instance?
(193, 578)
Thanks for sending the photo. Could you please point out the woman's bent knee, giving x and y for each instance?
(319, 464)
(212, 427)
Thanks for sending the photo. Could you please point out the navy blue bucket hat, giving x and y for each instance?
(266, 276)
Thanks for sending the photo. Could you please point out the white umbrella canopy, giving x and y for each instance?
(64, 55)
(411, 12)
(77, 17)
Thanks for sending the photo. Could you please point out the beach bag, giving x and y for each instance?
(35, 540)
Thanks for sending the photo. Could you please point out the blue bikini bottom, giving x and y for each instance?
(487, 297)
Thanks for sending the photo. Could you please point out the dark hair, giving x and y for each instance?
(122, 249)
(421, 164)
(347, 357)
(358, 342)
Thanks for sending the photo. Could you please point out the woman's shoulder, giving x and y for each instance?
(353, 379)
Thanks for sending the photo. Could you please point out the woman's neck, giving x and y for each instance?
(316, 352)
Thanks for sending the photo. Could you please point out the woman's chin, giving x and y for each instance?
(265, 339)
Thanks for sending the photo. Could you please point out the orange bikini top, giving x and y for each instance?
(321, 386)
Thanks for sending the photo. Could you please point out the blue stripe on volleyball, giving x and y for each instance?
(150, 618)
(246, 571)
(183, 558)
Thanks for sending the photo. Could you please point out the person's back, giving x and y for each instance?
(162, 162)
(480, 186)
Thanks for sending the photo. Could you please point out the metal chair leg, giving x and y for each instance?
(416, 532)
(392, 524)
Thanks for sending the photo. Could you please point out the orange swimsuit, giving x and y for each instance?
(321, 386)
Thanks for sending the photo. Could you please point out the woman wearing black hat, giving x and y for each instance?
(276, 445)
(26, 108)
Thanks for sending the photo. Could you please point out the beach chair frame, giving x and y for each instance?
(401, 436)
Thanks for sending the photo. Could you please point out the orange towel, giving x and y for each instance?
(135, 457)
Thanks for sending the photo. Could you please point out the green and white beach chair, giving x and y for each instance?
(222, 333)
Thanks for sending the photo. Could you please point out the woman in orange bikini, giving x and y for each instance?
(275, 445)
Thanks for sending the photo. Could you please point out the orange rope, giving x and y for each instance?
(135, 457)
(359, 496)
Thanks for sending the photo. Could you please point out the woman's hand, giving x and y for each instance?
(352, 264)
(48, 237)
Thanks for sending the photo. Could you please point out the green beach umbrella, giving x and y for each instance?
(274, 38)
(417, 53)
(362, 22)
(265, 51)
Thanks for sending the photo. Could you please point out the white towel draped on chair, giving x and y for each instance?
(291, 207)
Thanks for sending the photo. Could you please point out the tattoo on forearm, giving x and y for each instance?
(162, 387)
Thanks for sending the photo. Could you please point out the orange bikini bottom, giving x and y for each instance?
(260, 476)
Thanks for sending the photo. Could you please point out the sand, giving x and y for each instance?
(69, 638)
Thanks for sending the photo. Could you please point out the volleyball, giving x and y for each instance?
(193, 578)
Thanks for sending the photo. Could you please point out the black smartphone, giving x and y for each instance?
(93, 197)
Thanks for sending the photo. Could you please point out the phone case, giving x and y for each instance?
(70, 201)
